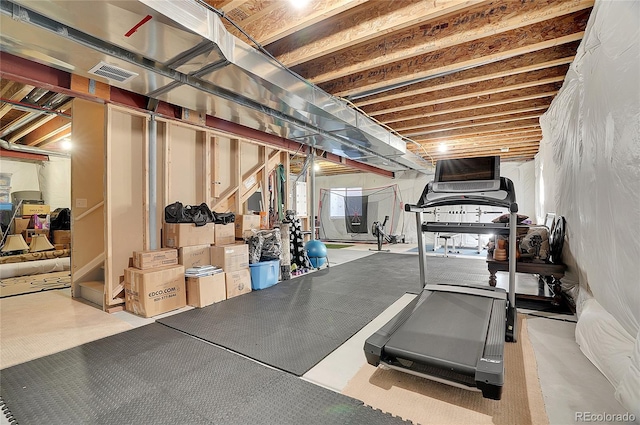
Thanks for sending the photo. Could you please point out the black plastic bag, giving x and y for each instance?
(224, 218)
(199, 214)
(175, 213)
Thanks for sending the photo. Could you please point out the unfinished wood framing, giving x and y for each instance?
(490, 49)
(484, 20)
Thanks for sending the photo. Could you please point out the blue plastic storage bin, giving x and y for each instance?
(264, 274)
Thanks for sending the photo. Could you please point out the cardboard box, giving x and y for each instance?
(60, 246)
(190, 256)
(62, 236)
(246, 222)
(20, 225)
(31, 209)
(204, 291)
(238, 283)
(152, 259)
(177, 235)
(230, 257)
(154, 291)
(28, 233)
(225, 234)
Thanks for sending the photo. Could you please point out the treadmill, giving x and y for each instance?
(454, 333)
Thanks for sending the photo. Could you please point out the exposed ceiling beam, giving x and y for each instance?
(225, 5)
(487, 19)
(280, 19)
(470, 142)
(533, 130)
(366, 23)
(455, 147)
(474, 123)
(16, 135)
(521, 95)
(47, 130)
(474, 90)
(560, 55)
(475, 53)
(15, 93)
(452, 134)
(481, 113)
(63, 133)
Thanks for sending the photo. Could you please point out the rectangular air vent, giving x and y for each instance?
(112, 72)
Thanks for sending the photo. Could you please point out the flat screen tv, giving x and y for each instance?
(467, 175)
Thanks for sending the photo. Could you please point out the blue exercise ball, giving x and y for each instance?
(317, 253)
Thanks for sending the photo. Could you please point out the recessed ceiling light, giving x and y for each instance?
(504, 149)
(316, 167)
(443, 147)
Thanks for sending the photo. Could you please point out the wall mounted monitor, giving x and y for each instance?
(467, 174)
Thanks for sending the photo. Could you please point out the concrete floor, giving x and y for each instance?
(570, 382)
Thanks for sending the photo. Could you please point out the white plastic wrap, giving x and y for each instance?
(588, 171)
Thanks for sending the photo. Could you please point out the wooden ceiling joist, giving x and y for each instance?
(546, 58)
(521, 95)
(474, 141)
(533, 131)
(523, 154)
(487, 19)
(46, 131)
(279, 19)
(456, 147)
(489, 49)
(16, 135)
(532, 122)
(474, 90)
(482, 113)
(15, 92)
(61, 133)
(372, 20)
(473, 124)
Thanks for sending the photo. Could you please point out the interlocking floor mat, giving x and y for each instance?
(156, 375)
(295, 324)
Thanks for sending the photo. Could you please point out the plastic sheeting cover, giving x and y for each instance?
(588, 171)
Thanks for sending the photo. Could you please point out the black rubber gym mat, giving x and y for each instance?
(295, 324)
(156, 375)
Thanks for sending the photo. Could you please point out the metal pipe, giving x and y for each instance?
(153, 172)
(30, 149)
(313, 194)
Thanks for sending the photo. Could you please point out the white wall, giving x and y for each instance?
(588, 170)
(24, 175)
(411, 184)
(52, 178)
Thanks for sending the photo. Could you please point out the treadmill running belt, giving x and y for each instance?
(447, 326)
(156, 375)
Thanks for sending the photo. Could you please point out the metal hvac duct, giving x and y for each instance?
(180, 52)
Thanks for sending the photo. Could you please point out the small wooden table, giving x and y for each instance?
(549, 272)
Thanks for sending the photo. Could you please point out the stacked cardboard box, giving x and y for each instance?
(156, 284)
(245, 223)
(204, 291)
(234, 260)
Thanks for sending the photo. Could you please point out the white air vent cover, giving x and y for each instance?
(112, 72)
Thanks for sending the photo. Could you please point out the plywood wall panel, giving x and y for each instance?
(87, 189)
(126, 193)
(185, 166)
